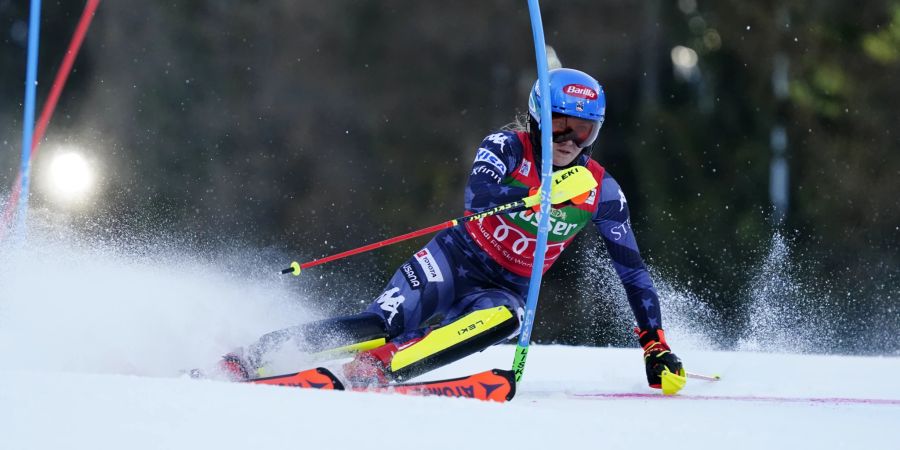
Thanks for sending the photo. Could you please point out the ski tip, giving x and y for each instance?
(510, 378)
(492, 385)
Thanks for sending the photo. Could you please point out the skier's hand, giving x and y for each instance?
(573, 184)
(664, 369)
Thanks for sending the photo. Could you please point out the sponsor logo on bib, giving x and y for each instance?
(429, 265)
(411, 276)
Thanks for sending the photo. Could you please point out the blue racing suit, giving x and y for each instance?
(486, 264)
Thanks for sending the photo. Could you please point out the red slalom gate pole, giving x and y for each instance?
(63, 73)
(297, 267)
(50, 106)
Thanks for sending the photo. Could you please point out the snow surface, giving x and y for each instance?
(93, 342)
(50, 410)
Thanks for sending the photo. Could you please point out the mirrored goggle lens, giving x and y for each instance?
(573, 129)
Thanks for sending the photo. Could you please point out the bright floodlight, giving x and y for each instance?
(70, 177)
(684, 60)
(684, 57)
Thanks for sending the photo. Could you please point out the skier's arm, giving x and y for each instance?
(664, 370)
(496, 158)
(613, 221)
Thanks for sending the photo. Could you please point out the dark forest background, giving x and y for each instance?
(306, 128)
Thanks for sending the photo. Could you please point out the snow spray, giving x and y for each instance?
(132, 305)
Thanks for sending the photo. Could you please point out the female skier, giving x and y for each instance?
(465, 290)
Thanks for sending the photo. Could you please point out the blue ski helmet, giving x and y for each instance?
(572, 93)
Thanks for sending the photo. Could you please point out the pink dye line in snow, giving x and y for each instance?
(741, 398)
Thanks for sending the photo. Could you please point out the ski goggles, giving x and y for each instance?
(568, 128)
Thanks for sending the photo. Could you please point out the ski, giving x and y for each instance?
(318, 378)
(492, 385)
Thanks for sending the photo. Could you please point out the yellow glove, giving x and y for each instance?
(574, 183)
(664, 369)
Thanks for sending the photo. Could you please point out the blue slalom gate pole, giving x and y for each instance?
(34, 27)
(537, 271)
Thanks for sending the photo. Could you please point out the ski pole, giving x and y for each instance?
(570, 183)
(515, 206)
(698, 376)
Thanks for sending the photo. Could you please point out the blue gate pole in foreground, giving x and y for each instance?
(34, 30)
(537, 271)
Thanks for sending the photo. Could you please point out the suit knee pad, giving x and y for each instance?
(469, 334)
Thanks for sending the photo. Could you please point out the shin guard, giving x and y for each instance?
(469, 334)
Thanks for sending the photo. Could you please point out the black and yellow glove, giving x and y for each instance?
(664, 369)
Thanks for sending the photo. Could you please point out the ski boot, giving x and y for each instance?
(234, 367)
(370, 367)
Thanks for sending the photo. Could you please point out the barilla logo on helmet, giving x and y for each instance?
(578, 90)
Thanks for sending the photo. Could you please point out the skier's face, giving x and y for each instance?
(568, 134)
(564, 153)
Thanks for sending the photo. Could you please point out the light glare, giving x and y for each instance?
(684, 57)
(71, 177)
(684, 62)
